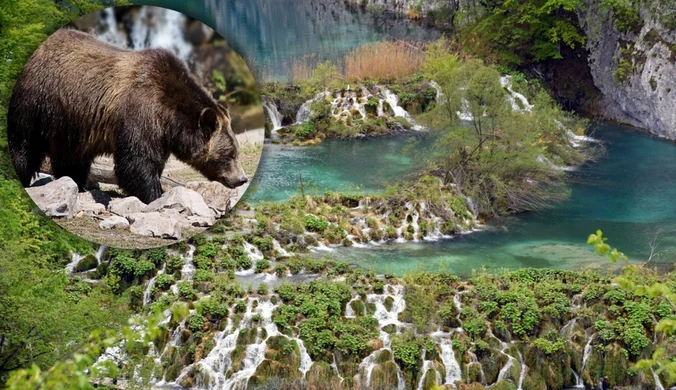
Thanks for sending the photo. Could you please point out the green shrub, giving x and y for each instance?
(316, 224)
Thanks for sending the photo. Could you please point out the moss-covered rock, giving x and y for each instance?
(86, 263)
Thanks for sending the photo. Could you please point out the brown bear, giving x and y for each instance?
(79, 97)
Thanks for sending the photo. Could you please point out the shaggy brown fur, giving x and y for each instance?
(78, 98)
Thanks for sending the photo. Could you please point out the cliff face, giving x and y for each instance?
(635, 70)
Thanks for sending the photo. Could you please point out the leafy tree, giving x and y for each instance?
(661, 360)
(524, 31)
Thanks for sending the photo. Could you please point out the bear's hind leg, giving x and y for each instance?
(78, 171)
(140, 178)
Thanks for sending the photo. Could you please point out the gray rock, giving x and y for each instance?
(215, 195)
(183, 200)
(126, 206)
(153, 224)
(188, 220)
(198, 221)
(89, 205)
(645, 98)
(57, 199)
(114, 222)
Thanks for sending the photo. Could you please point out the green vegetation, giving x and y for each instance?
(523, 32)
(497, 159)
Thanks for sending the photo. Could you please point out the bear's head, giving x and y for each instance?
(216, 152)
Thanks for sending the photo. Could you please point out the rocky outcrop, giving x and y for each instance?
(633, 67)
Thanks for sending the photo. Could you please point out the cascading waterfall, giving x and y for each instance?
(147, 293)
(254, 255)
(574, 139)
(427, 365)
(522, 375)
(587, 352)
(152, 28)
(453, 371)
(544, 160)
(393, 100)
(656, 378)
(188, 269)
(304, 112)
(75, 258)
(385, 318)
(506, 82)
(273, 114)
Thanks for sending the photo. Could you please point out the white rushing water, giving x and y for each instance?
(522, 375)
(426, 366)
(147, 293)
(75, 258)
(385, 318)
(587, 352)
(513, 97)
(254, 255)
(151, 27)
(273, 114)
(453, 372)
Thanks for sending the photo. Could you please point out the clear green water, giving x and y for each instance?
(356, 166)
(270, 34)
(628, 193)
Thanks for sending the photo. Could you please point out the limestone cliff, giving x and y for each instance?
(634, 67)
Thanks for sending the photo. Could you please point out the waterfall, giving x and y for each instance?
(334, 366)
(281, 252)
(522, 375)
(384, 317)
(349, 311)
(147, 295)
(110, 33)
(658, 383)
(213, 368)
(393, 100)
(75, 258)
(273, 114)
(574, 139)
(254, 255)
(544, 160)
(506, 82)
(474, 360)
(188, 269)
(305, 359)
(505, 370)
(585, 356)
(439, 98)
(427, 365)
(152, 28)
(453, 371)
(304, 112)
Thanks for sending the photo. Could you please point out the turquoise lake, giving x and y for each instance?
(628, 192)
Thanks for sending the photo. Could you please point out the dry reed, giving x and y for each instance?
(383, 61)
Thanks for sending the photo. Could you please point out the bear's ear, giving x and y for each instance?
(208, 122)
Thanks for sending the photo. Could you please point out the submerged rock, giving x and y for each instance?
(58, 198)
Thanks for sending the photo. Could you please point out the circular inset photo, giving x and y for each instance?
(135, 127)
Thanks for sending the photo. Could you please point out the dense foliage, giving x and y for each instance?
(498, 159)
